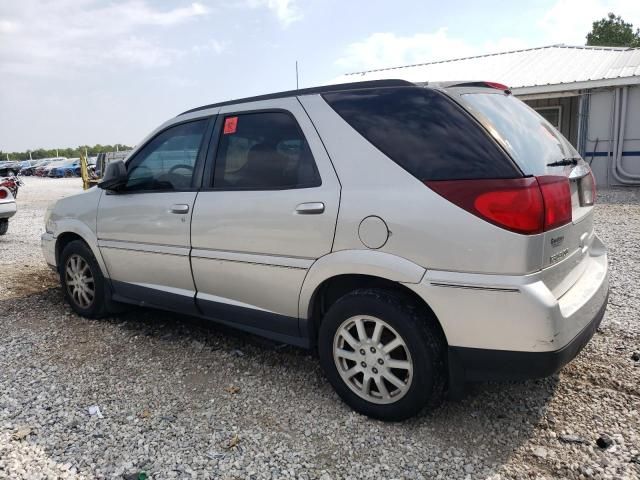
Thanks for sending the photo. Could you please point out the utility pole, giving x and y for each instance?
(297, 75)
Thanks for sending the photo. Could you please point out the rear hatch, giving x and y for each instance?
(541, 151)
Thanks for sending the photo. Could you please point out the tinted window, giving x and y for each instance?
(424, 132)
(167, 162)
(262, 151)
(530, 139)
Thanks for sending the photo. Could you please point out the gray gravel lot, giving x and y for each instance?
(180, 398)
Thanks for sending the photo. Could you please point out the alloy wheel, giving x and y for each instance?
(80, 281)
(373, 359)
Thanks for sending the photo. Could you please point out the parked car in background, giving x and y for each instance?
(13, 166)
(43, 171)
(7, 208)
(417, 237)
(65, 168)
(28, 170)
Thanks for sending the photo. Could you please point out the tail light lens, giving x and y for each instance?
(587, 190)
(523, 205)
(3, 194)
(556, 194)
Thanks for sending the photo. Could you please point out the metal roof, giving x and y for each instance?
(535, 70)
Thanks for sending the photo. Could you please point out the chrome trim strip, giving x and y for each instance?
(144, 247)
(228, 301)
(475, 287)
(272, 260)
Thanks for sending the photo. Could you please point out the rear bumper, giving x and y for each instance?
(474, 364)
(7, 209)
(514, 327)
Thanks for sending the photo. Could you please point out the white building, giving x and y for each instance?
(592, 94)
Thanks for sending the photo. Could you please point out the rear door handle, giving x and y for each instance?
(180, 208)
(311, 208)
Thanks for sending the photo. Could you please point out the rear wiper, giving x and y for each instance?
(564, 161)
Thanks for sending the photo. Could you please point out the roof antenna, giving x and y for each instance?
(297, 75)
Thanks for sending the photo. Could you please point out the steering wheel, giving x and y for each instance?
(182, 165)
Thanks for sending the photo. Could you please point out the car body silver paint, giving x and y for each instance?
(142, 241)
(263, 235)
(517, 313)
(488, 287)
(360, 261)
(77, 214)
(425, 228)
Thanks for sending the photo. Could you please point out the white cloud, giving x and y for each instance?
(211, 46)
(566, 21)
(8, 27)
(287, 11)
(381, 50)
(80, 34)
(569, 21)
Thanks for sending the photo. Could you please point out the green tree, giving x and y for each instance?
(613, 32)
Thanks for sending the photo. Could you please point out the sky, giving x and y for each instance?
(76, 72)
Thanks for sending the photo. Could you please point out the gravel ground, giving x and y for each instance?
(179, 398)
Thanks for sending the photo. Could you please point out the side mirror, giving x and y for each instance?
(115, 176)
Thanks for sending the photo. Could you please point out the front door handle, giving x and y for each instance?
(179, 208)
(310, 208)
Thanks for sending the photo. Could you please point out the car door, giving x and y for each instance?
(143, 229)
(266, 212)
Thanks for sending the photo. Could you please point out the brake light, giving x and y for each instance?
(523, 205)
(3, 194)
(496, 85)
(556, 194)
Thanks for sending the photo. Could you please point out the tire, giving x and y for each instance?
(77, 264)
(4, 226)
(420, 356)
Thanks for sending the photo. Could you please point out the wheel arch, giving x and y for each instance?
(70, 231)
(337, 274)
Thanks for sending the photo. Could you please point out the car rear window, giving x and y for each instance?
(530, 139)
(424, 132)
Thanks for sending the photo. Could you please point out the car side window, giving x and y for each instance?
(263, 151)
(167, 162)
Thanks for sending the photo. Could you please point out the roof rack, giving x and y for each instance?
(309, 91)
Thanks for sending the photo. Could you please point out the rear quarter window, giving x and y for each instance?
(424, 132)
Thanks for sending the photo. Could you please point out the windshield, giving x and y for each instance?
(532, 141)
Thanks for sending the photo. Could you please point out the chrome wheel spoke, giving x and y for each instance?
(391, 378)
(352, 371)
(362, 334)
(382, 388)
(348, 355)
(366, 384)
(349, 338)
(377, 333)
(392, 345)
(85, 297)
(399, 364)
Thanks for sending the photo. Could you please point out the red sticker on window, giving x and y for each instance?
(230, 125)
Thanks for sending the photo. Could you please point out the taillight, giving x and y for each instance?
(523, 205)
(556, 194)
(587, 190)
(3, 194)
(496, 85)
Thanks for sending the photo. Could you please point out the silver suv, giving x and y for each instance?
(417, 236)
